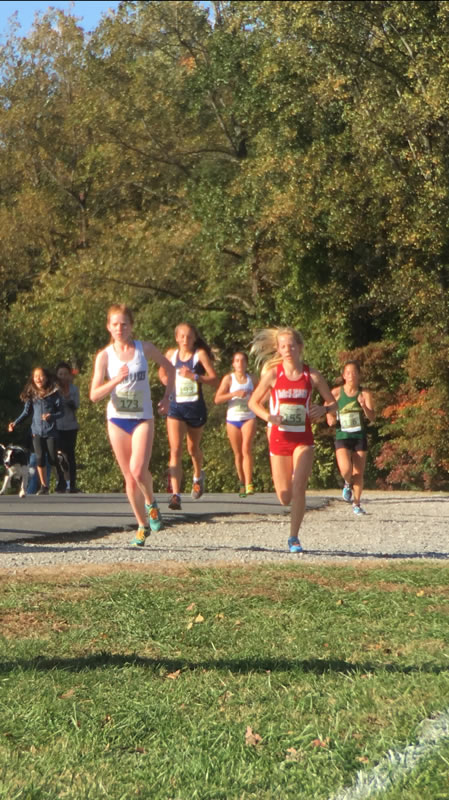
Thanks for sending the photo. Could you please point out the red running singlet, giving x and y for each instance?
(291, 400)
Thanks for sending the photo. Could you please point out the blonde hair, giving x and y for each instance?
(265, 346)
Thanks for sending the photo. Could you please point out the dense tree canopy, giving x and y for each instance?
(240, 166)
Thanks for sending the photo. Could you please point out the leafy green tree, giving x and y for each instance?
(278, 162)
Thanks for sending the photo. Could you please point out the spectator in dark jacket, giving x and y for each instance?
(67, 425)
(42, 399)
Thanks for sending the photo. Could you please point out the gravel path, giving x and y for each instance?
(397, 525)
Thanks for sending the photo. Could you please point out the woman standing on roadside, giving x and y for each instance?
(67, 425)
(43, 400)
(291, 383)
(121, 372)
(187, 414)
(355, 405)
(235, 389)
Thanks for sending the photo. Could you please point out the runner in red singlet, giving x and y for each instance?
(290, 415)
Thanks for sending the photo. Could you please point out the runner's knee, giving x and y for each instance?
(284, 497)
(130, 481)
(139, 473)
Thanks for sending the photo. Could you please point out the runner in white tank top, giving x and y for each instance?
(121, 371)
(238, 410)
(131, 398)
(235, 389)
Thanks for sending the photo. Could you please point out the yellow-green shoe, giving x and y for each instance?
(141, 535)
(250, 489)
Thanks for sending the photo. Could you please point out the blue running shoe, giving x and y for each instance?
(347, 493)
(154, 516)
(294, 545)
(140, 537)
(358, 510)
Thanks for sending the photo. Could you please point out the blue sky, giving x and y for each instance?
(90, 11)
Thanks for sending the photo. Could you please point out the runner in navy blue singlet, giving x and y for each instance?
(187, 413)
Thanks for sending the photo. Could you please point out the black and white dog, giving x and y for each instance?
(15, 460)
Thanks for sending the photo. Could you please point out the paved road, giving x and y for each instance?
(36, 518)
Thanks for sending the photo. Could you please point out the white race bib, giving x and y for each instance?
(186, 389)
(240, 405)
(350, 421)
(293, 417)
(126, 401)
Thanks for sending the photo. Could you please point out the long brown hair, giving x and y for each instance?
(340, 381)
(199, 343)
(30, 390)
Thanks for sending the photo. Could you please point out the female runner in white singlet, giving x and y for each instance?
(290, 415)
(121, 371)
(235, 389)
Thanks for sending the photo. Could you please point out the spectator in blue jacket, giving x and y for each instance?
(43, 400)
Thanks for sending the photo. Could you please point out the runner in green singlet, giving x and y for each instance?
(355, 406)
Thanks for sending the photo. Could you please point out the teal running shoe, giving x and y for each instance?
(294, 545)
(347, 493)
(154, 516)
(358, 510)
(140, 537)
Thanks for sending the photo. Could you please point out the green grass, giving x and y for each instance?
(271, 682)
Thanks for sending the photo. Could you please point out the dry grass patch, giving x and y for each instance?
(69, 573)
(30, 624)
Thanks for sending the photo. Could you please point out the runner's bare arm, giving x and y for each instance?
(210, 378)
(255, 402)
(99, 389)
(163, 375)
(330, 403)
(152, 352)
(223, 394)
(366, 400)
(331, 416)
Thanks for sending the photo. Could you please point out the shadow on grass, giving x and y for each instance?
(237, 666)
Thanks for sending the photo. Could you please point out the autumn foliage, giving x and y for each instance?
(240, 165)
